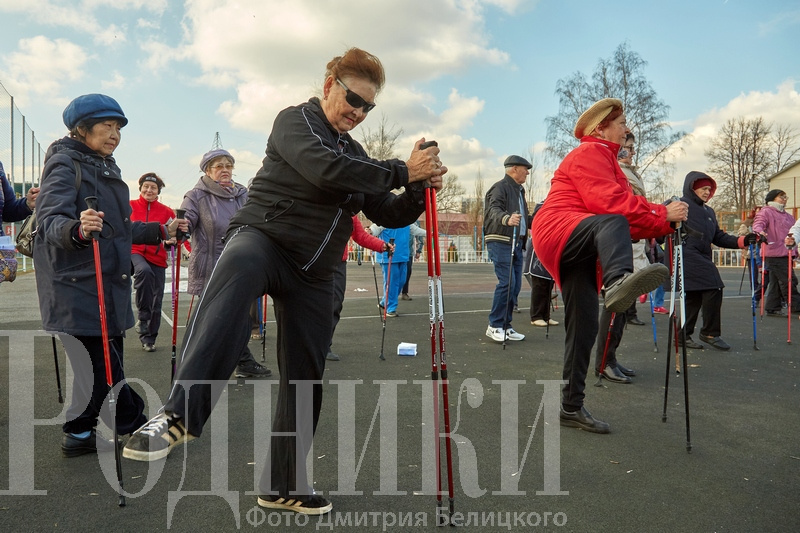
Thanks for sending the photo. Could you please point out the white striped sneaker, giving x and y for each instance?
(312, 504)
(156, 438)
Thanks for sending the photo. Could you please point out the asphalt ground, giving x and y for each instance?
(514, 468)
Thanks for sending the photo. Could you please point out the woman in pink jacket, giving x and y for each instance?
(583, 235)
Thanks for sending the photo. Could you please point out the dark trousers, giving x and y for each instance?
(408, 274)
(710, 301)
(541, 291)
(600, 237)
(612, 340)
(89, 387)
(778, 289)
(251, 265)
(148, 281)
(339, 286)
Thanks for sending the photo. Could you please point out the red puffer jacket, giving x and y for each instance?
(151, 212)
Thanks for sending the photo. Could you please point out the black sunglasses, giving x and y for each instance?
(354, 100)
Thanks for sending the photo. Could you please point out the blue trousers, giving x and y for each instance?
(507, 276)
(396, 282)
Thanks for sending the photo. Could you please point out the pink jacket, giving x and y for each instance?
(776, 225)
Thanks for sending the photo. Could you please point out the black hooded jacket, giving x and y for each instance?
(700, 272)
(313, 180)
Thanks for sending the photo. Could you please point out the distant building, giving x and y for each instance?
(787, 180)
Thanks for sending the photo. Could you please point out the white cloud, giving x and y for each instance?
(162, 148)
(117, 81)
(41, 65)
(779, 107)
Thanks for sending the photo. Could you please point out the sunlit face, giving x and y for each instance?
(149, 191)
(342, 115)
(616, 131)
(703, 192)
(220, 169)
(104, 137)
(518, 173)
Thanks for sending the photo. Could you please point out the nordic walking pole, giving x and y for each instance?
(438, 364)
(58, 374)
(741, 282)
(789, 287)
(605, 351)
(753, 291)
(179, 237)
(389, 253)
(510, 275)
(380, 311)
(653, 322)
(264, 329)
(91, 203)
(762, 280)
(189, 314)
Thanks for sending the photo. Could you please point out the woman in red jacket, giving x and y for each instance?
(583, 234)
(149, 261)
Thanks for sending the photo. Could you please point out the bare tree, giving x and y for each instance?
(786, 146)
(448, 200)
(529, 189)
(475, 208)
(741, 159)
(620, 76)
(380, 144)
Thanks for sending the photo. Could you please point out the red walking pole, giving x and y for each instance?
(91, 202)
(438, 361)
(789, 306)
(179, 237)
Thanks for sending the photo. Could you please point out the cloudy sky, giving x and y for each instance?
(477, 75)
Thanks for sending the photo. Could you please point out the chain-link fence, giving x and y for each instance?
(22, 157)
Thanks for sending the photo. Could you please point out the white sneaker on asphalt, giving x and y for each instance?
(513, 335)
(496, 334)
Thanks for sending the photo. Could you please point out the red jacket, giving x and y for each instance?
(364, 238)
(151, 212)
(589, 182)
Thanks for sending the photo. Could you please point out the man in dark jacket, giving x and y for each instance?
(702, 280)
(505, 224)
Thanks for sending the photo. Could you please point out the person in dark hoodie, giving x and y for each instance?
(65, 266)
(702, 280)
(287, 241)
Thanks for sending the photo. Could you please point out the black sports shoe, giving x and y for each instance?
(148, 347)
(156, 438)
(312, 504)
(72, 446)
(251, 369)
(623, 292)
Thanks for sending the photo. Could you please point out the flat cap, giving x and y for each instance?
(593, 116)
(515, 160)
(91, 106)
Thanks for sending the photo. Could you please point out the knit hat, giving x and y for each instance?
(213, 154)
(515, 160)
(703, 182)
(91, 106)
(150, 176)
(593, 116)
(771, 195)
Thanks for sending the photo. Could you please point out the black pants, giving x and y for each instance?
(710, 301)
(409, 264)
(89, 387)
(603, 238)
(613, 339)
(148, 281)
(339, 286)
(252, 265)
(778, 289)
(541, 291)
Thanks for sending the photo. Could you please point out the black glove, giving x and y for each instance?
(751, 238)
(762, 239)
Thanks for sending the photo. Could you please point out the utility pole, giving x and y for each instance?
(217, 144)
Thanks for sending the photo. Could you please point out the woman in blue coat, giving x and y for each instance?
(65, 269)
(702, 280)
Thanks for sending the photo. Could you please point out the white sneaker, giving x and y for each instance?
(553, 322)
(539, 323)
(513, 335)
(496, 334)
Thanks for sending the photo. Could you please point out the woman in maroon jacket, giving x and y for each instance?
(149, 261)
(583, 234)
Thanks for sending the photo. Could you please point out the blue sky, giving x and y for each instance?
(479, 76)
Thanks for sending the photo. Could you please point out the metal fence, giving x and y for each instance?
(22, 156)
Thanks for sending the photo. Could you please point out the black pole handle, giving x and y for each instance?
(91, 203)
(428, 144)
(179, 235)
(389, 250)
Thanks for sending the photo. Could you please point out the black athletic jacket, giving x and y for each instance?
(313, 180)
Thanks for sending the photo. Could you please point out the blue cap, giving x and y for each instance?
(91, 106)
(213, 154)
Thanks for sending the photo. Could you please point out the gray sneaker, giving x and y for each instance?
(251, 369)
(623, 292)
